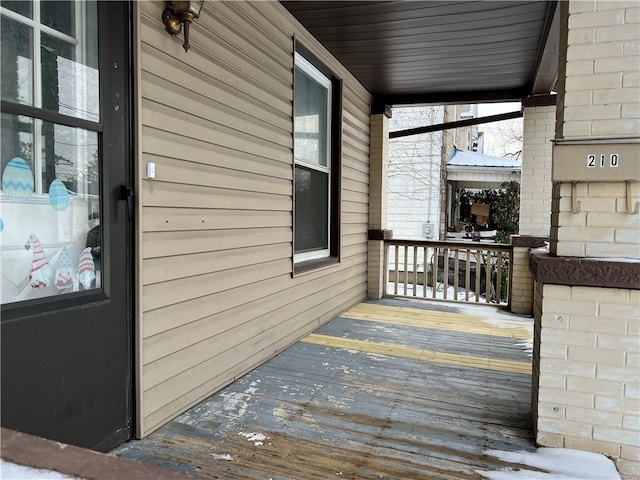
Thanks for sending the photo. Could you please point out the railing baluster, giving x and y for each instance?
(395, 280)
(467, 275)
(415, 270)
(487, 286)
(445, 273)
(436, 262)
(406, 268)
(456, 271)
(499, 279)
(385, 274)
(510, 280)
(425, 271)
(478, 274)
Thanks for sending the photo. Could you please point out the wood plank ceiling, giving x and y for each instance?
(408, 52)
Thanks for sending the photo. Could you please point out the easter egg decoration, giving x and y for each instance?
(58, 195)
(17, 179)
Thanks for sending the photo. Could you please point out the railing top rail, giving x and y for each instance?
(503, 247)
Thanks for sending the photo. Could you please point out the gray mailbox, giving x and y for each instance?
(611, 160)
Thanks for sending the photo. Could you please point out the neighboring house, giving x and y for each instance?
(242, 196)
(476, 171)
(417, 195)
(414, 174)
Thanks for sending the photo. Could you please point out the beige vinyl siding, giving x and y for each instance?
(216, 294)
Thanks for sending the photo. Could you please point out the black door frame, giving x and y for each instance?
(115, 25)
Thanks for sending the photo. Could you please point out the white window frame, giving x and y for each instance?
(325, 82)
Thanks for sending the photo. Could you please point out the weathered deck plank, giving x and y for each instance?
(339, 408)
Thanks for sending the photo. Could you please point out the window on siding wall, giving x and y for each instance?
(316, 140)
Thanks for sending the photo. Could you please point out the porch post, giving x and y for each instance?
(378, 188)
(535, 195)
(587, 300)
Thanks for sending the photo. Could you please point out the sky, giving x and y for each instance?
(499, 138)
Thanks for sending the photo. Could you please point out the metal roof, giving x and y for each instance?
(466, 158)
(407, 52)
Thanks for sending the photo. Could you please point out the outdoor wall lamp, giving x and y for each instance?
(178, 13)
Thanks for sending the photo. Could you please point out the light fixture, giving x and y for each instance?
(178, 13)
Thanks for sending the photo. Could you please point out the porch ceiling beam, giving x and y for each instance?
(456, 124)
(453, 97)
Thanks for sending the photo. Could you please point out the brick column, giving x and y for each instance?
(522, 283)
(378, 188)
(586, 392)
(535, 196)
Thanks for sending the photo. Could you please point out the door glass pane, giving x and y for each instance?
(23, 7)
(51, 238)
(312, 214)
(17, 64)
(69, 85)
(17, 141)
(59, 15)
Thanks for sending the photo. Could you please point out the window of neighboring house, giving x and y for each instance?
(316, 182)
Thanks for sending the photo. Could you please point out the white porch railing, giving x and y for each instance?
(451, 271)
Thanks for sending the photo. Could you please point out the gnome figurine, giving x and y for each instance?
(86, 268)
(64, 270)
(40, 275)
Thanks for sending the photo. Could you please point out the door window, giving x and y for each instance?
(50, 204)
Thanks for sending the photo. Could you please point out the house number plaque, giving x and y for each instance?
(597, 161)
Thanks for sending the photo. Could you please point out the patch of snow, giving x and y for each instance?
(235, 404)
(280, 413)
(13, 471)
(498, 321)
(419, 294)
(376, 357)
(527, 346)
(257, 438)
(226, 456)
(555, 463)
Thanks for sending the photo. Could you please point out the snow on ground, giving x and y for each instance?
(12, 471)
(420, 292)
(553, 464)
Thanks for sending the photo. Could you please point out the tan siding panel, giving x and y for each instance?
(163, 219)
(165, 244)
(164, 194)
(176, 291)
(197, 174)
(163, 143)
(159, 270)
(177, 98)
(162, 117)
(217, 290)
(271, 93)
(355, 186)
(171, 69)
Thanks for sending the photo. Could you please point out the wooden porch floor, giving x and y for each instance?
(393, 389)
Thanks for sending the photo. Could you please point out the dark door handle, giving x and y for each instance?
(126, 193)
